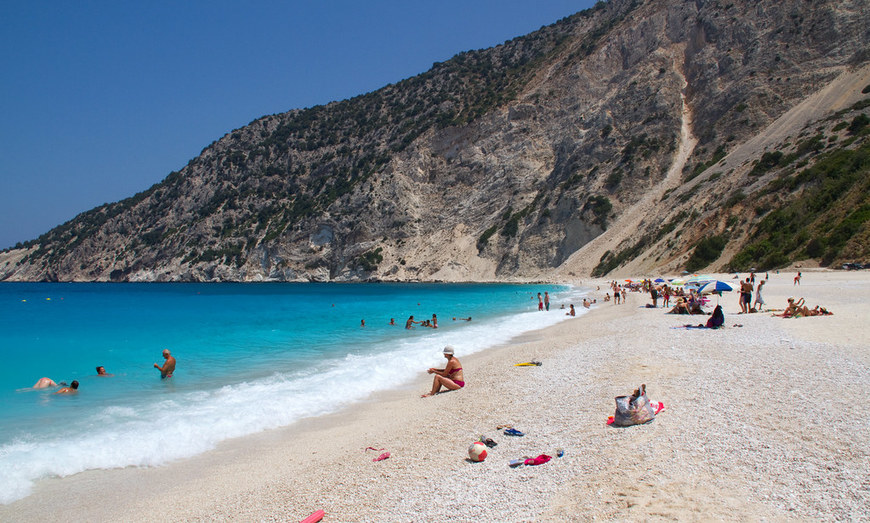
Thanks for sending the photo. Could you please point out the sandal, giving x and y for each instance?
(512, 432)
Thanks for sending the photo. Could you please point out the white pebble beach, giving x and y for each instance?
(764, 421)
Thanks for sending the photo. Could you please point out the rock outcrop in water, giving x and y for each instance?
(631, 137)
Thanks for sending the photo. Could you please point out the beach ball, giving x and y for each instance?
(477, 451)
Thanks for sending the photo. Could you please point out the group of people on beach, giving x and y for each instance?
(166, 371)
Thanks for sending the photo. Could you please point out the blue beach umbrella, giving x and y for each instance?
(715, 286)
(660, 280)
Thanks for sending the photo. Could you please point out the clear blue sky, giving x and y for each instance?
(101, 99)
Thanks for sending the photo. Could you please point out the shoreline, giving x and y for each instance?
(752, 429)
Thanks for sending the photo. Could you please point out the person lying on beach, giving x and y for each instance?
(72, 389)
(450, 377)
(798, 309)
(168, 367)
(45, 383)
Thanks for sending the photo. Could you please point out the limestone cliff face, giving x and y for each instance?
(553, 153)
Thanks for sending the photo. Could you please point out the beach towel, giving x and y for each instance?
(633, 410)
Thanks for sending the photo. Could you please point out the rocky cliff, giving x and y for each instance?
(631, 137)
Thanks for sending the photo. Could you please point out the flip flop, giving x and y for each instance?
(489, 442)
(382, 457)
(512, 432)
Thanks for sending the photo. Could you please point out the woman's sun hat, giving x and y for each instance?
(448, 349)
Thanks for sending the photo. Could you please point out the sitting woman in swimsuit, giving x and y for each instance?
(450, 377)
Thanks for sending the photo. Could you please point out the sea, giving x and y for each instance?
(251, 357)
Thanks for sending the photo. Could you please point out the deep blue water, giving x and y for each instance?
(250, 357)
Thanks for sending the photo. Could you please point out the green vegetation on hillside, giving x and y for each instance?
(812, 224)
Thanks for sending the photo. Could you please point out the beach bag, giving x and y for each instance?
(634, 409)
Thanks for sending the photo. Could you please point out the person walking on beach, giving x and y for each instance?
(797, 279)
(168, 367)
(759, 301)
(546, 300)
(450, 377)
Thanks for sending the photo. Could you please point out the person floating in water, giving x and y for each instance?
(44, 383)
(450, 377)
(72, 389)
(168, 367)
(101, 371)
(463, 319)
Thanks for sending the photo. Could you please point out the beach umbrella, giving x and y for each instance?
(660, 280)
(678, 282)
(715, 286)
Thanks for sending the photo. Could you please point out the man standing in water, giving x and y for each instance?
(168, 367)
(546, 300)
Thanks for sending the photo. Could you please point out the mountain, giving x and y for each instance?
(630, 138)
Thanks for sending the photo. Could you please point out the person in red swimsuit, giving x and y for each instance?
(450, 377)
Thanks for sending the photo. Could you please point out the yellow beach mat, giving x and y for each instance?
(528, 364)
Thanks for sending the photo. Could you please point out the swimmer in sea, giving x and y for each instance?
(463, 319)
(101, 371)
(72, 389)
(571, 311)
(392, 321)
(168, 367)
(44, 383)
(410, 323)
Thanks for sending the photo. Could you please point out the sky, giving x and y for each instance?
(100, 100)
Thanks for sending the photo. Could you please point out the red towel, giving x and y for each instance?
(540, 460)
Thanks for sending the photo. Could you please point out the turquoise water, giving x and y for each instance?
(250, 357)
